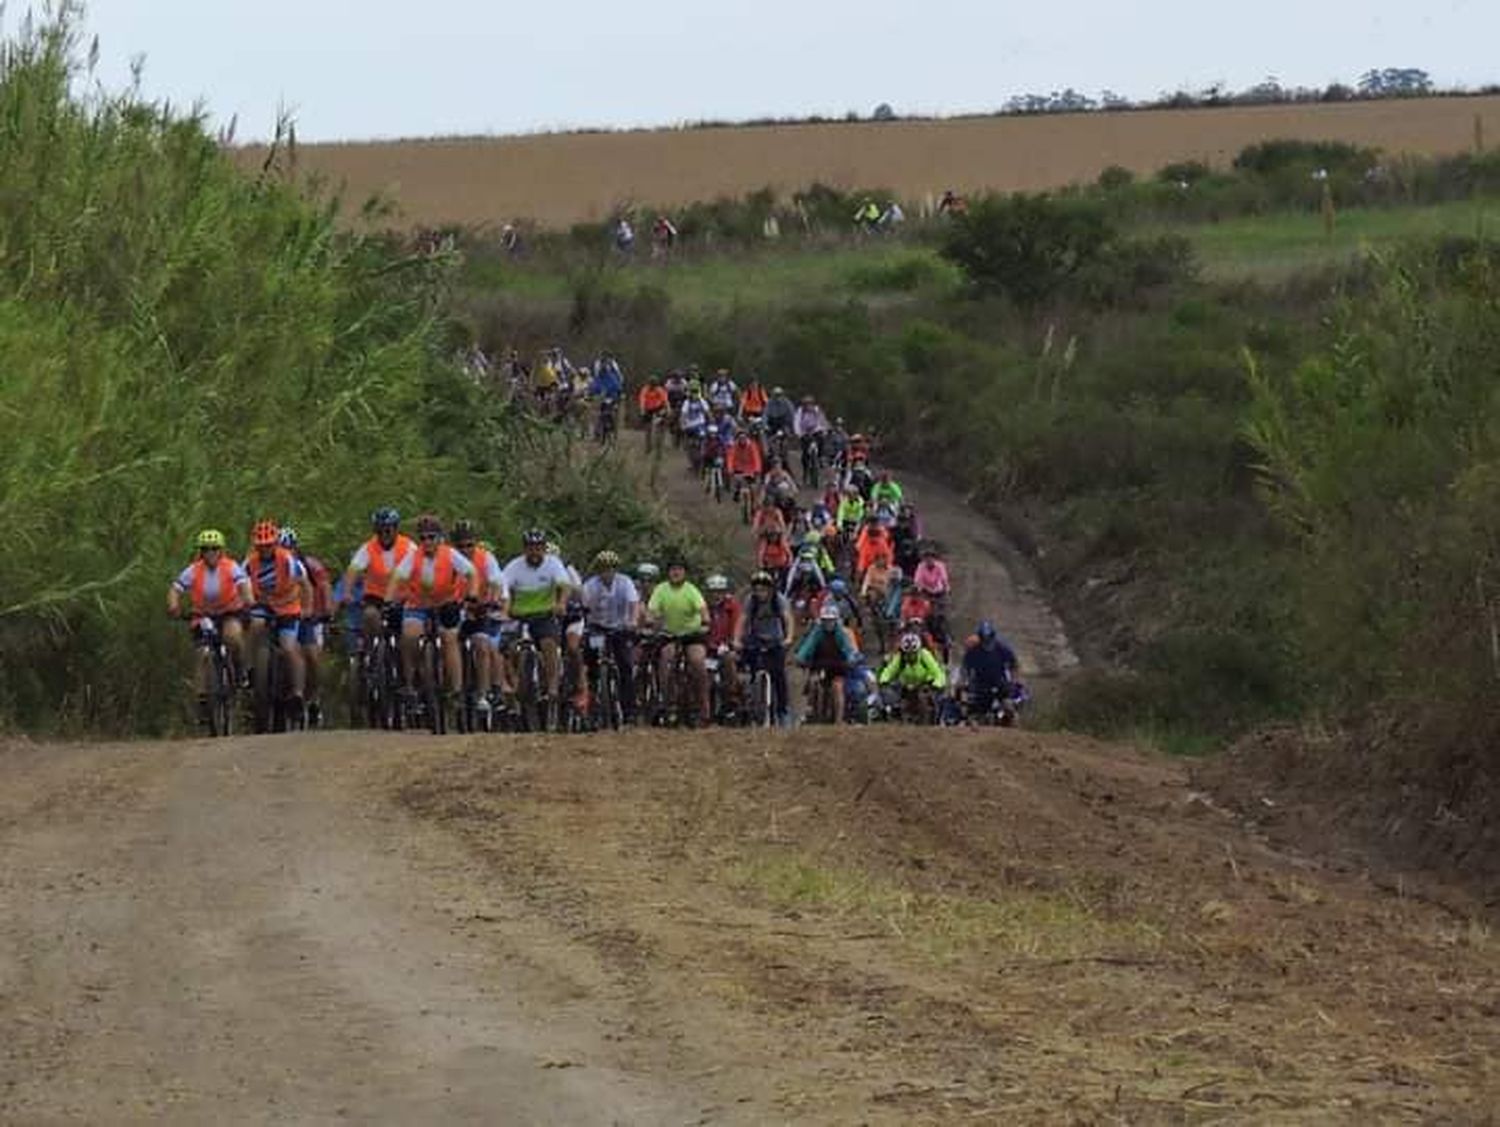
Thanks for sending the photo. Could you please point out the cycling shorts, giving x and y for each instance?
(698, 639)
(484, 628)
(837, 668)
(310, 632)
(449, 616)
(286, 626)
(542, 626)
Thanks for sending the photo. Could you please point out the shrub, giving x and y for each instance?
(1027, 247)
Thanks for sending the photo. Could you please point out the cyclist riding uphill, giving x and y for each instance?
(913, 669)
(608, 384)
(612, 603)
(483, 627)
(809, 423)
(723, 391)
(282, 596)
(829, 648)
(311, 633)
(538, 585)
(780, 414)
(218, 590)
(431, 583)
(886, 491)
(681, 612)
(988, 674)
(724, 615)
(753, 400)
(375, 561)
(764, 630)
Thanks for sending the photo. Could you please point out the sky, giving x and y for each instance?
(408, 68)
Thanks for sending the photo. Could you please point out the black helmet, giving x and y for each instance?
(533, 538)
(464, 532)
(385, 517)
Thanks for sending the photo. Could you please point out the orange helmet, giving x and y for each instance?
(264, 534)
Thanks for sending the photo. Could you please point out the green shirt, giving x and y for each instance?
(680, 609)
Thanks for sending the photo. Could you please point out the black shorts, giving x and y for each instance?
(542, 626)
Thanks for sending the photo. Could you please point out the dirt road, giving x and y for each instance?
(229, 932)
(871, 927)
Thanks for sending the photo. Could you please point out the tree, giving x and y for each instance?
(884, 112)
(1027, 247)
(1395, 82)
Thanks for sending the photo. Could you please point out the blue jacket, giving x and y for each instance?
(607, 383)
(989, 668)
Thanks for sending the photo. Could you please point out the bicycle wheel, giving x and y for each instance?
(221, 703)
(607, 698)
(762, 701)
(528, 690)
(432, 690)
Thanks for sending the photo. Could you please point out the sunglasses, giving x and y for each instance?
(428, 536)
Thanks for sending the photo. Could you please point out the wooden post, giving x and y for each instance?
(1328, 213)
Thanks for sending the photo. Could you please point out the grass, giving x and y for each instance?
(1273, 248)
(1023, 924)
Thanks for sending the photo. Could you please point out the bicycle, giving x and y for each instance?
(608, 701)
(678, 702)
(271, 711)
(821, 700)
(713, 477)
(530, 683)
(606, 422)
(812, 460)
(760, 700)
(218, 717)
(744, 489)
(376, 676)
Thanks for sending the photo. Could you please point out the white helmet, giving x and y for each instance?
(716, 583)
(910, 643)
(828, 612)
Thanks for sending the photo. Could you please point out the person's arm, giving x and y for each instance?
(705, 619)
(306, 591)
(935, 671)
(471, 584)
(174, 599)
(356, 568)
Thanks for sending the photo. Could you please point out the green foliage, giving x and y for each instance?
(1283, 154)
(1026, 247)
(183, 347)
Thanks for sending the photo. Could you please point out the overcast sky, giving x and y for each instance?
(391, 68)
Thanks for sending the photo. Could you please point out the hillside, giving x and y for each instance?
(559, 179)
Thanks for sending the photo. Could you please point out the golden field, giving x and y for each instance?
(557, 179)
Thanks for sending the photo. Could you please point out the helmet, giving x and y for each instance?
(533, 538)
(264, 534)
(552, 548)
(910, 643)
(716, 583)
(838, 586)
(985, 630)
(762, 579)
(287, 538)
(386, 517)
(811, 539)
(808, 401)
(429, 525)
(606, 560)
(695, 387)
(778, 390)
(647, 571)
(211, 538)
(464, 532)
(807, 552)
(828, 613)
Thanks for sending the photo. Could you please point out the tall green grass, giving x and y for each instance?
(182, 346)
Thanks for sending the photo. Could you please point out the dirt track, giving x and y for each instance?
(884, 927)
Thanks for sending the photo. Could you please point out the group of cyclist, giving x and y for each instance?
(843, 584)
(843, 578)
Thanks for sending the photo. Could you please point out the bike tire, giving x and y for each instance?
(763, 700)
(221, 704)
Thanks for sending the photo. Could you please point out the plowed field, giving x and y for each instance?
(560, 179)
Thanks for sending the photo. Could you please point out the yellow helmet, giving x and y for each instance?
(210, 538)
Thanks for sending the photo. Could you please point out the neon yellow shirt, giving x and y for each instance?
(680, 609)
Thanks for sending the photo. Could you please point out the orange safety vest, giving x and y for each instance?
(446, 587)
(753, 401)
(744, 458)
(229, 595)
(377, 575)
(285, 598)
(652, 398)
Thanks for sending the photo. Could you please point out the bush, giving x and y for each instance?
(1026, 247)
(1115, 177)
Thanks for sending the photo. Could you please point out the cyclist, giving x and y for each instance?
(906, 535)
(613, 606)
(723, 391)
(809, 424)
(859, 449)
(608, 382)
(482, 626)
(218, 589)
(930, 578)
(373, 563)
(679, 609)
(779, 416)
(676, 385)
(282, 596)
(829, 648)
(652, 400)
(311, 633)
(837, 447)
(805, 579)
(812, 540)
(753, 400)
(874, 538)
(886, 491)
(848, 606)
(988, 674)
(773, 553)
(573, 626)
(764, 629)
(881, 579)
(914, 672)
(538, 586)
(851, 512)
(780, 489)
(647, 576)
(744, 463)
(693, 421)
(431, 583)
(724, 614)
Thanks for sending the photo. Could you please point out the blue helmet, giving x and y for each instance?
(985, 631)
(839, 587)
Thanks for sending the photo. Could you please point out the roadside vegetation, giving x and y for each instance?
(185, 346)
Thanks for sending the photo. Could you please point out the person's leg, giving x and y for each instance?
(412, 625)
(453, 658)
(234, 638)
(551, 664)
(697, 663)
(838, 700)
(624, 655)
(291, 649)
